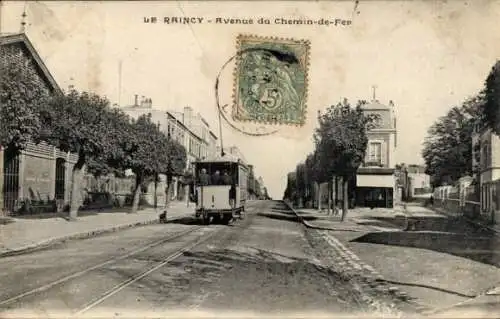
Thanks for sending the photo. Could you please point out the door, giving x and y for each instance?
(60, 178)
(10, 181)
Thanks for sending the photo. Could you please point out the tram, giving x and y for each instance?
(220, 189)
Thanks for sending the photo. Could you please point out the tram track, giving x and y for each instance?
(117, 288)
(33, 292)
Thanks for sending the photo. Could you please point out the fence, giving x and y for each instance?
(457, 201)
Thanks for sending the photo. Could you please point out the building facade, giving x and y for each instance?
(419, 183)
(489, 174)
(375, 182)
(41, 173)
(191, 131)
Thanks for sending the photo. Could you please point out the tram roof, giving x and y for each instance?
(227, 158)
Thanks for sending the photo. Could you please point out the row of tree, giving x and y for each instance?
(340, 144)
(450, 151)
(104, 138)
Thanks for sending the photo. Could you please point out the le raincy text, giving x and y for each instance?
(232, 21)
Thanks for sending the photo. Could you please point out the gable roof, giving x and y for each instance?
(15, 38)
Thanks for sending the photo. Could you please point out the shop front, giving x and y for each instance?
(375, 188)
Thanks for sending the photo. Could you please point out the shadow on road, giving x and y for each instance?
(279, 216)
(480, 247)
(184, 221)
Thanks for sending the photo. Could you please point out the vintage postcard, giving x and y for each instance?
(249, 159)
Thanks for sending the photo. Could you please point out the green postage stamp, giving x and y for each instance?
(271, 80)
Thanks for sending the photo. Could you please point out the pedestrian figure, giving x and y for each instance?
(216, 178)
(410, 224)
(163, 217)
(226, 179)
(204, 178)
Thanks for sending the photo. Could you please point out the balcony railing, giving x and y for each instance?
(373, 164)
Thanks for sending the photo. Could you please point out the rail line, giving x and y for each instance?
(116, 289)
(100, 265)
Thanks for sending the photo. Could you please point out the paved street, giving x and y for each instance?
(263, 263)
(267, 263)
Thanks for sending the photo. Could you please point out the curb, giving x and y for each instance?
(82, 235)
(377, 279)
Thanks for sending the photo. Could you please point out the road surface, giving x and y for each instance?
(267, 263)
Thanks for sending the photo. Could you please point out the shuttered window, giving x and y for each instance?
(375, 153)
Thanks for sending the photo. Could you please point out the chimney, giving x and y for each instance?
(136, 100)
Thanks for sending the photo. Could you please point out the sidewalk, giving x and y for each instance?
(444, 262)
(366, 219)
(23, 234)
(390, 219)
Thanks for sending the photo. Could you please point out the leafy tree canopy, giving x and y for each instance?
(448, 146)
(341, 139)
(492, 103)
(77, 122)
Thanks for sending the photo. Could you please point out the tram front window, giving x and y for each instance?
(216, 174)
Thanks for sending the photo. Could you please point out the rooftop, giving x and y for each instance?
(376, 105)
(12, 38)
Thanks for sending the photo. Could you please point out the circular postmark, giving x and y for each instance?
(268, 98)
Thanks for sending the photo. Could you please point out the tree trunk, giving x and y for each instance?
(137, 193)
(329, 190)
(345, 196)
(156, 194)
(319, 196)
(167, 189)
(76, 180)
(336, 191)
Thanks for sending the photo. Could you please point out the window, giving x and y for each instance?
(375, 153)
(485, 157)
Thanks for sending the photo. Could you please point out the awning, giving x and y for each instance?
(375, 181)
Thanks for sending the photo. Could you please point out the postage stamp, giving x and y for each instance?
(270, 80)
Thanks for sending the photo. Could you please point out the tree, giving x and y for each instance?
(177, 158)
(78, 123)
(21, 97)
(448, 146)
(492, 104)
(145, 153)
(341, 142)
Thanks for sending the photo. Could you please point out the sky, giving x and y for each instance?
(425, 56)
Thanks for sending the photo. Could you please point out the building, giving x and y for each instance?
(193, 132)
(489, 172)
(375, 182)
(41, 173)
(417, 181)
(200, 127)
